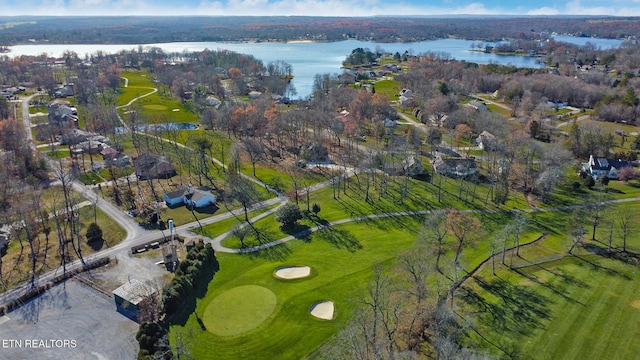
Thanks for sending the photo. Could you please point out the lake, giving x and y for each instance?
(604, 44)
(306, 58)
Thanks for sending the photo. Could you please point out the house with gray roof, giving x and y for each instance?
(191, 197)
(598, 167)
(454, 167)
(129, 296)
(149, 166)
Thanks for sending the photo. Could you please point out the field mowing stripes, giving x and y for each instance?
(599, 323)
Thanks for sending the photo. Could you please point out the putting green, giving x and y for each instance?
(155, 107)
(239, 310)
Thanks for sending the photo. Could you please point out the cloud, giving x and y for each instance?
(577, 8)
(543, 11)
(313, 7)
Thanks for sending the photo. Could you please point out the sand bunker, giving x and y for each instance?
(323, 310)
(293, 272)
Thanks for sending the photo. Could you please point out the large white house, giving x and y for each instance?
(191, 197)
(599, 167)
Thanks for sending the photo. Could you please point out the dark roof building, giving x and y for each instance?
(455, 167)
(149, 166)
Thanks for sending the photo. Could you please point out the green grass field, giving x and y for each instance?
(582, 307)
(556, 306)
(341, 262)
(157, 108)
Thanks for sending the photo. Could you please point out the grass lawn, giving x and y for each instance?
(572, 308)
(16, 264)
(420, 195)
(554, 306)
(223, 318)
(290, 331)
(220, 227)
(156, 107)
(390, 88)
(499, 109)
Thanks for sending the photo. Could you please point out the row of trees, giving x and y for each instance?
(195, 270)
(384, 29)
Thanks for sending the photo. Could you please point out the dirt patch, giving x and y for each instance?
(636, 304)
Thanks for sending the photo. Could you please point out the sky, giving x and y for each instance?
(318, 7)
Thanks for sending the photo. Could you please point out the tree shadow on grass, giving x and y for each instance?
(210, 209)
(625, 257)
(565, 278)
(594, 265)
(339, 238)
(379, 207)
(279, 252)
(519, 309)
(276, 252)
(96, 245)
(299, 231)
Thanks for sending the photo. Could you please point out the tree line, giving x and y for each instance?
(136, 30)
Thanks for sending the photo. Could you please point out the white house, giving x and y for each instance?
(599, 167)
(198, 198)
(190, 196)
(488, 141)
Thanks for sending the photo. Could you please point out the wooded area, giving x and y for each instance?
(145, 30)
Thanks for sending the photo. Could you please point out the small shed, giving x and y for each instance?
(191, 243)
(170, 256)
(129, 296)
(176, 197)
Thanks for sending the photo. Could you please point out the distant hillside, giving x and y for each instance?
(134, 30)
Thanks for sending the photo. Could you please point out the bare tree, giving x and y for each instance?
(597, 210)
(415, 269)
(435, 229)
(518, 225)
(383, 310)
(624, 222)
(576, 228)
(254, 150)
(464, 228)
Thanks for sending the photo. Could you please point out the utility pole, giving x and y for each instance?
(172, 246)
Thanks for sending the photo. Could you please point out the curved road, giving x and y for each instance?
(136, 235)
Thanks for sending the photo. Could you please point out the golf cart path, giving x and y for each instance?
(216, 242)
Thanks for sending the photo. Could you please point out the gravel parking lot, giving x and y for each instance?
(68, 321)
(73, 320)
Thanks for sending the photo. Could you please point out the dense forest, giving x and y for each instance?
(136, 30)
